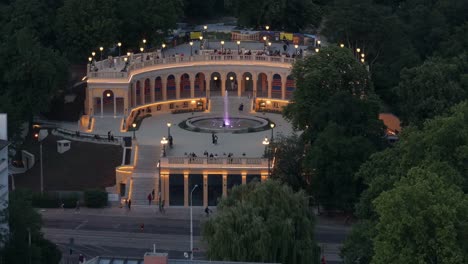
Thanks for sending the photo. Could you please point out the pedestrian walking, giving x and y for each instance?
(129, 204)
(207, 211)
(109, 135)
(152, 194)
(162, 207)
(81, 259)
(149, 198)
(171, 141)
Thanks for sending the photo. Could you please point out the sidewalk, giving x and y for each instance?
(144, 211)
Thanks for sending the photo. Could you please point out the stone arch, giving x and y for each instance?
(138, 93)
(290, 86)
(200, 85)
(158, 89)
(215, 83)
(262, 85)
(276, 86)
(147, 92)
(171, 87)
(231, 83)
(184, 86)
(247, 84)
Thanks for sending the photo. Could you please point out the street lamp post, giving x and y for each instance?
(164, 142)
(201, 38)
(169, 129)
(265, 40)
(296, 46)
(222, 46)
(36, 136)
(267, 153)
(101, 49)
(144, 42)
(134, 127)
(272, 125)
(267, 27)
(205, 27)
(191, 46)
(119, 45)
(191, 222)
(162, 50)
(238, 46)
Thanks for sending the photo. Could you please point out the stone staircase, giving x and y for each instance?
(145, 174)
(143, 184)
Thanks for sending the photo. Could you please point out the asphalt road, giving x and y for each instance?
(122, 235)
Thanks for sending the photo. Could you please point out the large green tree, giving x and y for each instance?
(440, 147)
(262, 222)
(289, 153)
(431, 89)
(291, 15)
(421, 220)
(335, 106)
(24, 222)
(84, 26)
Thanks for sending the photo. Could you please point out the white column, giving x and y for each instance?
(270, 83)
(134, 100)
(102, 106)
(192, 86)
(152, 85)
(254, 80)
(115, 105)
(239, 84)
(177, 84)
(164, 87)
(283, 86)
(223, 84)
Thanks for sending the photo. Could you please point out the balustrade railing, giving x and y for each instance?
(213, 162)
(118, 68)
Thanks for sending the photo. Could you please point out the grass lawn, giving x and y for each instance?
(84, 166)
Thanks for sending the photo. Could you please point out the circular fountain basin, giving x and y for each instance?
(218, 124)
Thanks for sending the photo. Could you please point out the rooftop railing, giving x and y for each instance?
(214, 162)
(117, 68)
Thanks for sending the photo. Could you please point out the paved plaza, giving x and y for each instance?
(154, 128)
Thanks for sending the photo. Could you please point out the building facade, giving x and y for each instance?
(137, 85)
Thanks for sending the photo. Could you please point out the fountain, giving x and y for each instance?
(226, 123)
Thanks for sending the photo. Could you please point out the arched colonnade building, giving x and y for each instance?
(115, 87)
(122, 88)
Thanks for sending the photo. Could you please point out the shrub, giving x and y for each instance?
(95, 198)
(69, 200)
(45, 200)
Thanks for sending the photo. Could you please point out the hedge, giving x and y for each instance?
(95, 198)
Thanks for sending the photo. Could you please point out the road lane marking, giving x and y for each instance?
(81, 225)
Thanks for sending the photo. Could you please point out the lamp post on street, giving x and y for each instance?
(164, 142)
(238, 47)
(169, 129)
(191, 47)
(134, 127)
(201, 41)
(101, 49)
(266, 143)
(272, 125)
(119, 45)
(222, 46)
(191, 222)
(296, 46)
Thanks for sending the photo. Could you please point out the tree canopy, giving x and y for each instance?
(262, 222)
(23, 221)
(421, 220)
(335, 106)
(434, 156)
